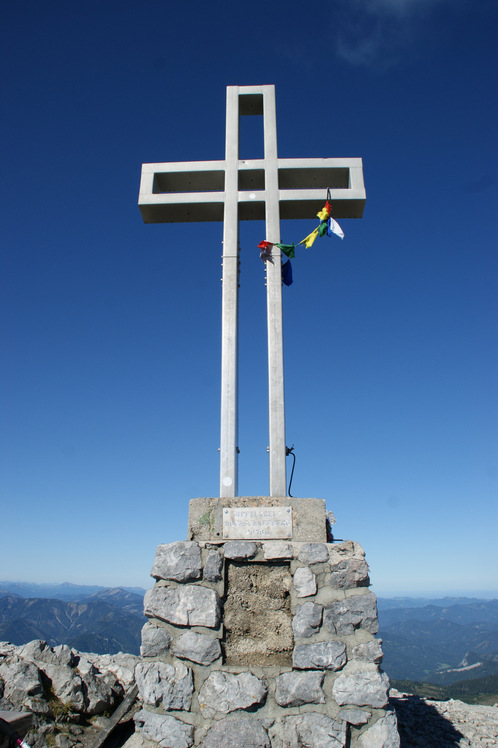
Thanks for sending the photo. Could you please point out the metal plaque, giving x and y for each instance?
(253, 523)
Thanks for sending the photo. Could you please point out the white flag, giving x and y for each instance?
(334, 228)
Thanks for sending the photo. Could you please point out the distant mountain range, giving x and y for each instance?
(104, 622)
(64, 591)
(442, 641)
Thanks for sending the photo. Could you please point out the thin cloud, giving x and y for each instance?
(380, 32)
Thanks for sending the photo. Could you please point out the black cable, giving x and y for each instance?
(290, 451)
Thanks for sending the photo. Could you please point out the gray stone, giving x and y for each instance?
(161, 684)
(383, 734)
(155, 641)
(63, 741)
(185, 606)
(224, 692)
(314, 553)
(307, 619)
(213, 567)
(344, 616)
(361, 688)
(237, 550)
(39, 651)
(304, 582)
(180, 561)
(277, 549)
(368, 652)
(297, 688)
(121, 665)
(313, 730)
(199, 648)
(22, 680)
(349, 573)
(355, 717)
(329, 655)
(66, 684)
(236, 733)
(167, 731)
(101, 691)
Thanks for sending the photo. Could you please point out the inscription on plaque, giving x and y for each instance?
(250, 523)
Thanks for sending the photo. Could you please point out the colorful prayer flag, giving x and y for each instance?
(287, 273)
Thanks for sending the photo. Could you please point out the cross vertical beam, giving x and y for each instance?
(276, 401)
(229, 305)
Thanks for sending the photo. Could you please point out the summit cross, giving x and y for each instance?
(267, 189)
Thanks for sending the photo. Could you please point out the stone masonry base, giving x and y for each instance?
(262, 644)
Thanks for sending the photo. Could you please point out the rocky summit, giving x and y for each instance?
(72, 696)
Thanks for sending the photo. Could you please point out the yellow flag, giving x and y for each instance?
(308, 241)
(323, 215)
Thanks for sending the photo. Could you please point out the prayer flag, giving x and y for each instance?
(308, 241)
(287, 273)
(334, 228)
(287, 249)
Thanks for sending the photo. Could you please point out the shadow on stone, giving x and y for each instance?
(421, 725)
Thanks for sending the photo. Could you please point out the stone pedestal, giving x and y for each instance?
(265, 641)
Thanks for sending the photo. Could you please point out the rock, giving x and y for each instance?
(383, 734)
(121, 665)
(185, 606)
(361, 688)
(314, 553)
(213, 567)
(342, 617)
(101, 692)
(304, 582)
(22, 680)
(307, 619)
(444, 723)
(67, 686)
(39, 651)
(167, 731)
(199, 648)
(368, 652)
(349, 573)
(155, 641)
(179, 561)
(329, 655)
(355, 717)
(236, 733)
(237, 550)
(165, 685)
(277, 549)
(225, 692)
(314, 730)
(297, 688)
(63, 741)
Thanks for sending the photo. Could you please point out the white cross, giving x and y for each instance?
(270, 188)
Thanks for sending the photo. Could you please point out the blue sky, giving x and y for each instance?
(111, 328)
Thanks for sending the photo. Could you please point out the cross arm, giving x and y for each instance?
(189, 191)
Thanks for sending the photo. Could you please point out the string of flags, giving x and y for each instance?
(326, 227)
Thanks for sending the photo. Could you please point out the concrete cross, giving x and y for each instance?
(268, 189)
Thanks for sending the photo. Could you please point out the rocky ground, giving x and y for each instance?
(73, 695)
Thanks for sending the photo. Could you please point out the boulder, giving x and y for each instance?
(298, 688)
(165, 685)
(179, 561)
(224, 692)
(185, 606)
(307, 620)
(236, 733)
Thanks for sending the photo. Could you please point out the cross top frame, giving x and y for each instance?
(267, 189)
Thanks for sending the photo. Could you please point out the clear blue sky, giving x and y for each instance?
(111, 328)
